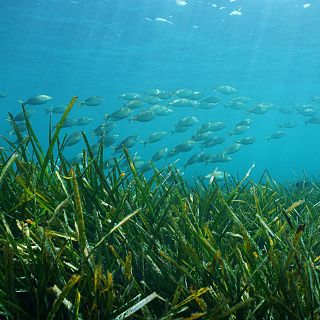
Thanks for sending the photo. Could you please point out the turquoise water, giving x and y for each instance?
(267, 50)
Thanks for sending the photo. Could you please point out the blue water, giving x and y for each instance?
(269, 53)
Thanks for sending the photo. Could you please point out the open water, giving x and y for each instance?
(268, 50)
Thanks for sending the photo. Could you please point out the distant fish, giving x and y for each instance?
(164, 21)
(144, 116)
(226, 89)
(119, 114)
(247, 140)
(37, 100)
(20, 115)
(276, 135)
(128, 142)
(109, 140)
(212, 141)
(187, 121)
(83, 121)
(3, 94)
(134, 104)
(313, 120)
(260, 108)
(288, 124)
(183, 102)
(181, 3)
(130, 96)
(220, 157)
(92, 101)
(217, 175)
(233, 148)
(235, 13)
(155, 137)
(239, 129)
(56, 110)
(160, 110)
(245, 122)
(192, 160)
(73, 139)
(159, 154)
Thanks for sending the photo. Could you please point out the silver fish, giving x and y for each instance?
(73, 139)
(56, 110)
(288, 124)
(155, 137)
(3, 94)
(119, 114)
(109, 140)
(313, 120)
(184, 103)
(220, 157)
(233, 148)
(128, 142)
(135, 104)
(160, 154)
(213, 141)
(239, 129)
(92, 101)
(226, 89)
(83, 121)
(276, 135)
(37, 100)
(247, 140)
(130, 96)
(187, 121)
(161, 110)
(144, 116)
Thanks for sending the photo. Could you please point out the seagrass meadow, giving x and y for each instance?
(81, 242)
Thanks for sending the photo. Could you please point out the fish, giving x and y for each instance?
(286, 110)
(241, 99)
(21, 126)
(185, 147)
(233, 148)
(184, 103)
(308, 110)
(260, 108)
(83, 121)
(20, 116)
(247, 140)
(103, 129)
(213, 141)
(204, 105)
(134, 104)
(164, 20)
(276, 135)
(73, 139)
(288, 124)
(187, 121)
(151, 100)
(130, 96)
(119, 114)
(159, 154)
(217, 126)
(226, 89)
(220, 157)
(160, 110)
(128, 142)
(3, 94)
(192, 160)
(56, 110)
(202, 136)
(204, 157)
(179, 129)
(155, 137)
(315, 99)
(69, 123)
(211, 99)
(217, 175)
(244, 122)
(37, 100)
(109, 140)
(239, 129)
(163, 95)
(236, 105)
(144, 116)
(313, 120)
(92, 101)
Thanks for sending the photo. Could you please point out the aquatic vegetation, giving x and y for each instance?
(81, 242)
